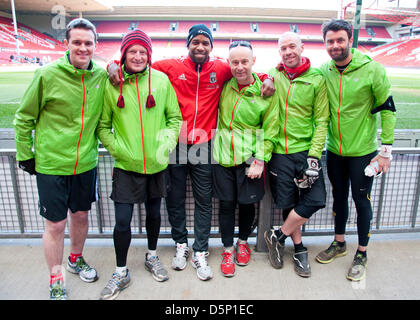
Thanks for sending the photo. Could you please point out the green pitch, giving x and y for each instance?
(405, 90)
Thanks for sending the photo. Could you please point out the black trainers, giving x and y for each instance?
(302, 267)
(275, 249)
(333, 251)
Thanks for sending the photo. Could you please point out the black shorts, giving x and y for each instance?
(133, 187)
(232, 183)
(58, 194)
(283, 168)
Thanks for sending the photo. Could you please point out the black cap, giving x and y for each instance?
(198, 29)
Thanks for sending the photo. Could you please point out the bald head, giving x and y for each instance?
(291, 48)
(241, 60)
(290, 36)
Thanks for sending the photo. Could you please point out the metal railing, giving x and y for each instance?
(395, 201)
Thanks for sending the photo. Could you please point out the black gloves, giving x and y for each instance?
(309, 174)
(28, 166)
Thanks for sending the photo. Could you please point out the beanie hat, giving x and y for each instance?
(136, 36)
(197, 30)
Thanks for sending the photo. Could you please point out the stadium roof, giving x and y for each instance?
(71, 6)
(105, 10)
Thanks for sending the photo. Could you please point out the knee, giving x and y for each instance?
(227, 207)
(80, 217)
(55, 228)
(123, 214)
(361, 198)
(305, 212)
(285, 213)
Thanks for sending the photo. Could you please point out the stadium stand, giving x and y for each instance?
(167, 35)
(34, 46)
(273, 27)
(399, 54)
(106, 49)
(309, 29)
(374, 32)
(377, 49)
(112, 26)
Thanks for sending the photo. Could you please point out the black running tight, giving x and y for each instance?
(227, 221)
(122, 229)
(343, 172)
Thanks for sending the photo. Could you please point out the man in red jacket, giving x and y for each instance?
(198, 82)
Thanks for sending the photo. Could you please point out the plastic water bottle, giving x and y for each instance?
(372, 169)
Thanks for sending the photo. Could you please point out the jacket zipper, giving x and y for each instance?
(339, 106)
(81, 129)
(285, 111)
(196, 102)
(230, 126)
(285, 117)
(141, 126)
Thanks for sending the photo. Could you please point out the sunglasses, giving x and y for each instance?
(80, 23)
(240, 43)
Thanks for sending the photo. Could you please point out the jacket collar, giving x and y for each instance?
(252, 89)
(64, 63)
(130, 76)
(358, 60)
(195, 66)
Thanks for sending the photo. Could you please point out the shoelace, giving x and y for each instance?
(58, 291)
(82, 265)
(332, 247)
(114, 282)
(227, 257)
(243, 250)
(200, 260)
(155, 263)
(358, 260)
(181, 252)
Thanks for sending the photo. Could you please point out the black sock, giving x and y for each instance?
(281, 237)
(299, 247)
(363, 253)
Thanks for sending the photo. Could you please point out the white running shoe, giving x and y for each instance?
(179, 262)
(199, 262)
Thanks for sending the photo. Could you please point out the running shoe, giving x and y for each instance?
(80, 267)
(114, 286)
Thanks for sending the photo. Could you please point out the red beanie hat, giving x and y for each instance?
(136, 37)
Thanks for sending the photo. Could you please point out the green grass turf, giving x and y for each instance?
(12, 88)
(406, 93)
(405, 90)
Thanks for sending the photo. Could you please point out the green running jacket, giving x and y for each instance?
(362, 86)
(63, 104)
(247, 126)
(304, 112)
(139, 138)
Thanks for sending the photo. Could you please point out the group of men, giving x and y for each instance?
(158, 122)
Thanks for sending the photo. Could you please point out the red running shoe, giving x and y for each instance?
(227, 266)
(243, 254)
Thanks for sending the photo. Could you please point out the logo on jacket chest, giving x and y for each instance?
(213, 78)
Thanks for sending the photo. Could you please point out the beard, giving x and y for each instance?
(199, 59)
(340, 55)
